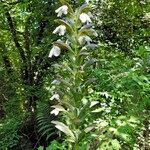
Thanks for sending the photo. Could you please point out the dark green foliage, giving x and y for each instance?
(24, 47)
(123, 24)
(55, 145)
(126, 85)
(8, 133)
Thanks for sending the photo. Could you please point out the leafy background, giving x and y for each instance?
(122, 75)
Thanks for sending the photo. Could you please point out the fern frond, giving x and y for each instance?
(44, 118)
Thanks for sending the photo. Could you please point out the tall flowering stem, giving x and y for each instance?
(72, 83)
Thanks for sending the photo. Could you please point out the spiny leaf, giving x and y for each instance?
(62, 127)
(89, 62)
(88, 129)
(67, 25)
(62, 45)
(87, 31)
(84, 8)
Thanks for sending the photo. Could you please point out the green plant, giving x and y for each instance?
(124, 82)
(115, 17)
(45, 127)
(55, 145)
(72, 85)
(9, 132)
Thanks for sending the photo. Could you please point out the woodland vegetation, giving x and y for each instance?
(74, 75)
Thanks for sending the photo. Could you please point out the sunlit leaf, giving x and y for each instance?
(41, 148)
(62, 127)
(62, 45)
(88, 129)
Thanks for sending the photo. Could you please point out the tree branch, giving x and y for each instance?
(14, 36)
(6, 60)
(41, 31)
(26, 38)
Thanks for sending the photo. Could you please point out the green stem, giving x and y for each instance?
(76, 146)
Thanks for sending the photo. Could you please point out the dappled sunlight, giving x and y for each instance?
(74, 75)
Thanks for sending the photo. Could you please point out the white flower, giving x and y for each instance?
(85, 39)
(85, 18)
(54, 51)
(57, 109)
(61, 30)
(55, 96)
(62, 10)
(56, 82)
(87, 1)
